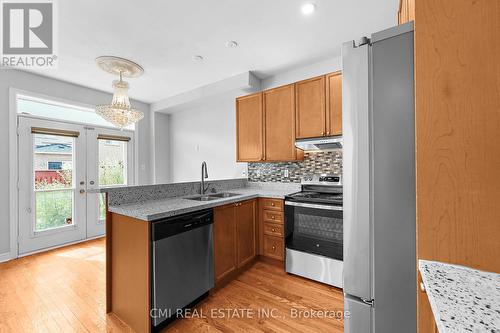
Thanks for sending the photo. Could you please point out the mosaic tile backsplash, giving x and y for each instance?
(314, 162)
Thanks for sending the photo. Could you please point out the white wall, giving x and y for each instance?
(161, 152)
(302, 73)
(207, 131)
(43, 85)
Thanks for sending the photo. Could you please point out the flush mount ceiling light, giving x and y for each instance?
(308, 8)
(120, 113)
(231, 44)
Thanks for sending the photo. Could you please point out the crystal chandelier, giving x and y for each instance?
(120, 113)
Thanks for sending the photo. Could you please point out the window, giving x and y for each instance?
(54, 166)
(59, 111)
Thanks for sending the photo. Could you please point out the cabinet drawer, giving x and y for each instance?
(272, 216)
(272, 204)
(273, 229)
(273, 247)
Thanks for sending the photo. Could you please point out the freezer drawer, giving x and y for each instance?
(358, 316)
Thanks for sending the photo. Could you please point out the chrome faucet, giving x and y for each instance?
(204, 174)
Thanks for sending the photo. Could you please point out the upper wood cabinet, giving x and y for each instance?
(267, 123)
(279, 119)
(319, 106)
(249, 128)
(310, 108)
(334, 104)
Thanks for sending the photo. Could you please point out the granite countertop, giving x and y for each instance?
(462, 299)
(161, 208)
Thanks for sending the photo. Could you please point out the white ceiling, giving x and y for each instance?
(163, 36)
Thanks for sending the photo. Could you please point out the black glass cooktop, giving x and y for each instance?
(320, 197)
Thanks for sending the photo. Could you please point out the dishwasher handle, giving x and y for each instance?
(175, 225)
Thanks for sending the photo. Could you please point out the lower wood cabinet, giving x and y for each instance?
(273, 247)
(271, 228)
(234, 237)
(245, 230)
(224, 241)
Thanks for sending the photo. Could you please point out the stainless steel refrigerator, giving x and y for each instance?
(378, 127)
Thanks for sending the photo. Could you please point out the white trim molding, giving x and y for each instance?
(13, 173)
(5, 257)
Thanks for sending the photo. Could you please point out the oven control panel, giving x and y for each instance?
(322, 179)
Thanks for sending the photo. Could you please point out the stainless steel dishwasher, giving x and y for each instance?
(183, 268)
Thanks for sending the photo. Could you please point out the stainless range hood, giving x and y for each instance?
(316, 144)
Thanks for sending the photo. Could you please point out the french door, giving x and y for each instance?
(61, 165)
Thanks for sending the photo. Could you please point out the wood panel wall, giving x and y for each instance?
(457, 74)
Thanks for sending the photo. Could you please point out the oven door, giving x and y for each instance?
(314, 228)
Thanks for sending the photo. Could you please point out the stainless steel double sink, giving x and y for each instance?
(214, 196)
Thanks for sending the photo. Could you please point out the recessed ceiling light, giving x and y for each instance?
(308, 8)
(198, 58)
(231, 44)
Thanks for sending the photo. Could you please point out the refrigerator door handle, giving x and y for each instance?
(369, 302)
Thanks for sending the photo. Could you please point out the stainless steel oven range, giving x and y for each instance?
(314, 230)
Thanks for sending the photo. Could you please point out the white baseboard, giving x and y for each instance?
(5, 257)
(59, 246)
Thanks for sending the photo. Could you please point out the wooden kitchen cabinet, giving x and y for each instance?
(224, 230)
(334, 104)
(245, 229)
(249, 128)
(319, 106)
(310, 108)
(271, 228)
(274, 247)
(457, 125)
(279, 118)
(235, 235)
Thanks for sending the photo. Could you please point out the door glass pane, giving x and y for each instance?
(112, 163)
(112, 168)
(53, 179)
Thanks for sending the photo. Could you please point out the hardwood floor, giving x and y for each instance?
(64, 291)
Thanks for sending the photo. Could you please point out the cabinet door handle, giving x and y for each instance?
(274, 248)
(327, 132)
(273, 217)
(274, 230)
(272, 203)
